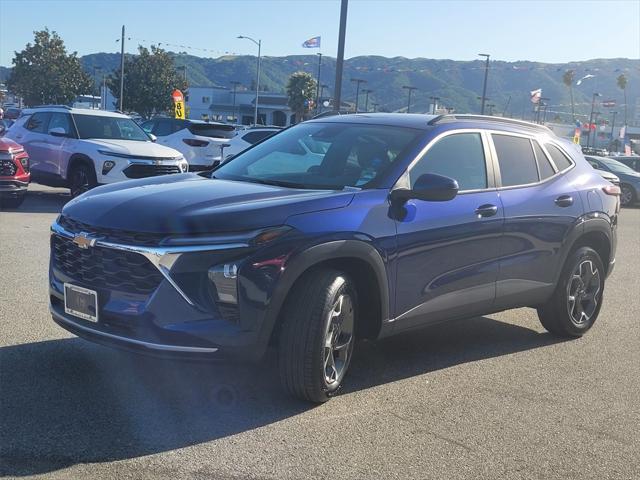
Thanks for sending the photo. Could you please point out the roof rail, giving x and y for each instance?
(488, 118)
(52, 106)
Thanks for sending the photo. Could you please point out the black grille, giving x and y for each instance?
(143, 171)
(112, 235)
(7, 168)
(99, 267)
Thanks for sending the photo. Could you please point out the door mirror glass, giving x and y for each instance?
(429, 187)
(58, 132)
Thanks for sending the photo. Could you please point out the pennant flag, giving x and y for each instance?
(623, 132)
(312, 43)
(584, 78)
(609, 103)
(535, 95)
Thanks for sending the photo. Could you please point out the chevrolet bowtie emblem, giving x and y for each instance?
(83, 240)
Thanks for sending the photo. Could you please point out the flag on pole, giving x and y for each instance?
(536, 95)
(312, 43)
(623, 132)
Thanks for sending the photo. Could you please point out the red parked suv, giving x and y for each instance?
(14, 173)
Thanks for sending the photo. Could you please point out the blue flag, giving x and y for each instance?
(312, 43)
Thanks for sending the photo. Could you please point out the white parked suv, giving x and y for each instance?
(80, 148)
(201, 143)
(248, 137)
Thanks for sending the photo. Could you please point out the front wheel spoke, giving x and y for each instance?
(341, 344)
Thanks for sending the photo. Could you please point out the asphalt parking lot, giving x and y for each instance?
(489, 397)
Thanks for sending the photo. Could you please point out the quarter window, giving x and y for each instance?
(516, 159)
(544, 167)
(559, 158)
(39, 122)
(459, 156)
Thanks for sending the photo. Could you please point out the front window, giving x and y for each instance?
(343, 155)
(111, 128)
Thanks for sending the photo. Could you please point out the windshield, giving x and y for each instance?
(321, 155)
(618, 167)
(112, 128)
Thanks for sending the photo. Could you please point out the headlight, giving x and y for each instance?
(109, 153)
(184, 166)
(232, 240)
(224, 279)
(24, 161)
(107, 166)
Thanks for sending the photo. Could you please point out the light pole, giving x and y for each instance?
(122, 71)
(318, 84)
(433, 105)
(358, 81)
(410, 89)
(322, 87)
(613, 123)
(484, 87)
(595, 131)
(259, 44)
(375, 106)
(593, 105)
(342, 33)
(490, 107)
(235, 84)
(366, 91)
(93, 97)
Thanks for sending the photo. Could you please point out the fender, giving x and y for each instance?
(304, 259)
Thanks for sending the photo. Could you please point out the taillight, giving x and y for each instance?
(192, 142)
(612, 190)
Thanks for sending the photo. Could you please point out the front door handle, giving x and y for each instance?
(564, 201)
(486, 210)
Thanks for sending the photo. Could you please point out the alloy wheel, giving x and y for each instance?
(582, 292)
(626, 195)
(338, 340)
(80, 182)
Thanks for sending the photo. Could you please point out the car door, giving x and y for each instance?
(34, 140)
(56, 161)
(447, 261)
(540, 209)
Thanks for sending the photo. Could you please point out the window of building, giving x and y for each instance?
(459, 156)
(206, 99)
(516, 159)
(559, 158)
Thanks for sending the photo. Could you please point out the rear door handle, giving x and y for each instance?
(486, 210)
(564, 201)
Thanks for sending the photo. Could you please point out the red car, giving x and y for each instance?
(14, 173)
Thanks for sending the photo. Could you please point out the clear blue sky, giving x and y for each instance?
(548, 31)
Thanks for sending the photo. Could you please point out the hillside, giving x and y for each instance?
(456, 83)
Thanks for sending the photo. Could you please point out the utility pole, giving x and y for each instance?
(259, 44)
(410, 89)
(337, 93)
(366, 91)
(484, 87)
(358, 81)
(593, 105)
(595, 131)
(233, 108)
(613, 123)
(433, 105)
(93, 97)
(506, 107)
(122, 71)
(318, 84)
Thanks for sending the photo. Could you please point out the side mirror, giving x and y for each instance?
(153, 137)
(58, 132)
(429, 187)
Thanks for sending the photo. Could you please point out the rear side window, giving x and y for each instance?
(163, 128)
(516, 159)
(212, 130)
(559, 158)
(459, 156)
(39, 122)
(255, 137)
(544, 167)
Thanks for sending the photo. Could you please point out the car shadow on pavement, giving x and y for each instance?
(39, 201)
(65, 402)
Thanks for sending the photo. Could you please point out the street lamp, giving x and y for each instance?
(235, 84)
(93, 97)
(358, 81)
(490, 107)
(410, 89)
(593, 104)
(366, 91)
(435, 102)
(484, 87)
(259, 44)
(613, 123)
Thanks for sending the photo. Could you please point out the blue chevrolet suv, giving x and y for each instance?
(340, 228)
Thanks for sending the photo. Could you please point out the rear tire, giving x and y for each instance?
(627, 195)
(577, 299)
(82, 179)
(318, 334)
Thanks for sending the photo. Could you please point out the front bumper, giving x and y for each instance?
(13, 188)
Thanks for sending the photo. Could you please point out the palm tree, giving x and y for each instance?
(300, 90)
(622, 85)
(567, 78)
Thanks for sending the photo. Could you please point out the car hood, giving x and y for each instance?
(189, 203)
(134, 148)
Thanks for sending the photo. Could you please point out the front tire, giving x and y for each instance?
(82, 179)
(318, 334)
(576, 302)
(627, 195)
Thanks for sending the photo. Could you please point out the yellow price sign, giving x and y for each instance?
(178, 101)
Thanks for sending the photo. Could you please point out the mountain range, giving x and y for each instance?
(457, 84)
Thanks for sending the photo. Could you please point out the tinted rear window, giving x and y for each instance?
(255, 137)
(212, 130)
(546, 170)
(559, 158)
(517, 163)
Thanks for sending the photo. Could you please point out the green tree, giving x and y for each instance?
(567, 79)
(44, 73)
(301, 89)
(149, 79)
(622, 85)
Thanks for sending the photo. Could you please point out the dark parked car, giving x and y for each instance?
(394, 222)
(629, 179)
(14, 173)
(631, 162)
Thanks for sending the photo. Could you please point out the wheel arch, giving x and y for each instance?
(597, 233)
(77, 159)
